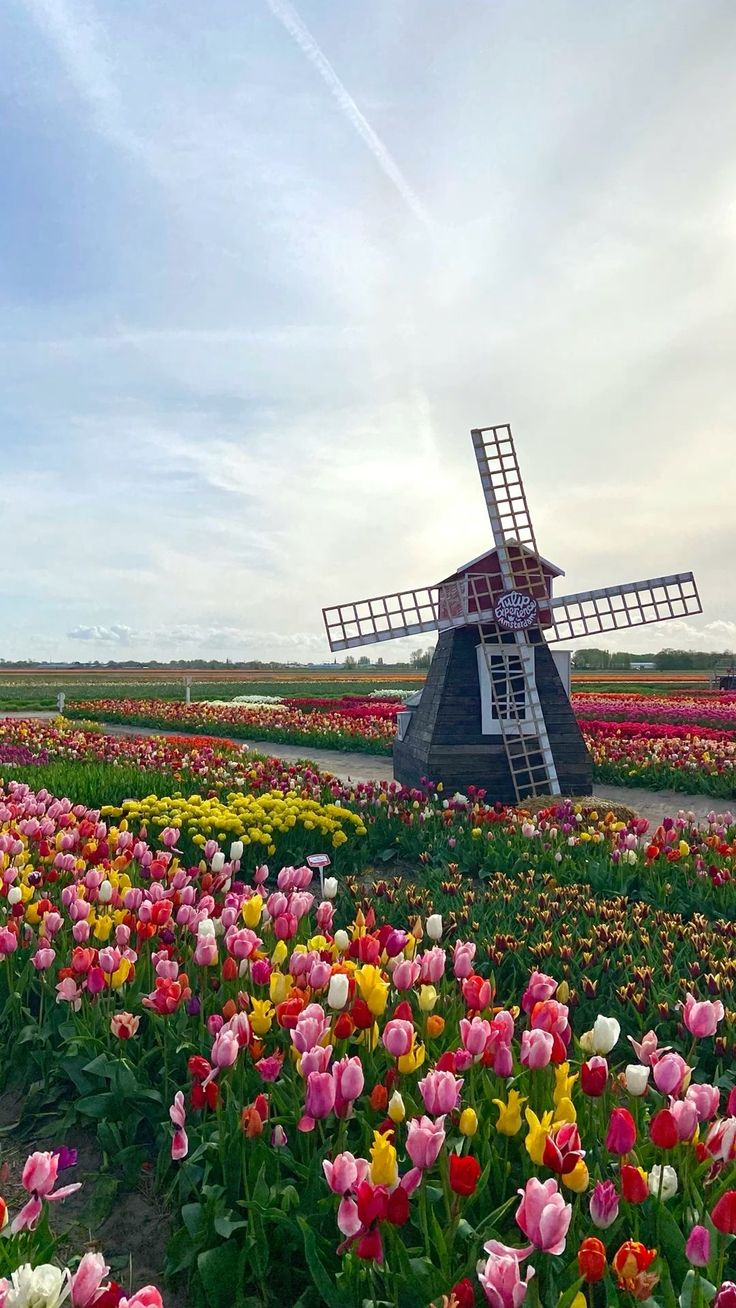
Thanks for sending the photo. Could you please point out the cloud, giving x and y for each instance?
(287, 15)
(119, 635)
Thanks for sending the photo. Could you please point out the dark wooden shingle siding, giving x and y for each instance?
(445, 742)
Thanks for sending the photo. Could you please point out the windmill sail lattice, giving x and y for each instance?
(505, 599)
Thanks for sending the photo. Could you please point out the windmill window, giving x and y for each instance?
(508, 696)
(505, 680)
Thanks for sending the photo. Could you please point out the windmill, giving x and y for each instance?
(494, 711)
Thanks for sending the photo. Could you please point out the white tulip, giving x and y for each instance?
(606, 1031)
(104, 894)
(15, 895)
(636, 1078)
(342, 940)
(337, 995)
(434, 926)
(206, 927)
(329, 888)
(38, 1287)
(218, 861)
(664, 1176)
(586, 1042)
(236, 850)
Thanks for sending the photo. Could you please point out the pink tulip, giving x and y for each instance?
(669, 1074)
(432, 965)
(87, 1279)
(475, 1034)
(543, 1215)
(348, 1217)
(539, 988)
(646, 1049)
(315, 1060)
(500, 1278)
(345, 1172)
(685, 1114)
(179, 1141)
(269, 1069)
(205, 953)
(43, 958)
(604, 1205)
(536, 1048)
(148, 1297)
(706, 1099)
(224, 1049)
(406, 974)
(424, 1141)
(697, 1249)
(440, 1092)
(39, 1178)
(702, 1018)
(398, 1037)
(312, 1024)
(621, 1134)
(170, 836)
(463, 954)
(260, 971)
(320, 1099)
(349, 1080)
(324, 916)
(8, 941)
(503, 1062)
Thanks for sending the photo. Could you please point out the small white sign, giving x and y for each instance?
(318, 860)
(515, 611)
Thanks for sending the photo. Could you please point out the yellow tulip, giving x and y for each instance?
(252, 909)
(410, 1062)
(396, 1108)
(427, 998)
(121, 974)
(280, 953)
(278, 987)
(384, 1166)
(103, 927)
(577, 1180)
(565, 1112)
(261, 1016)
(537, 1135)
(468, 1122)
(563, 1083)
(373, 988)
(509, 1113)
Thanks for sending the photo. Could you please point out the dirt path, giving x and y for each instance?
(651, 804)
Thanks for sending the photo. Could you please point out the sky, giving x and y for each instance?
(264, 266)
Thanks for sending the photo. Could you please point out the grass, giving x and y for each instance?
(95, 783)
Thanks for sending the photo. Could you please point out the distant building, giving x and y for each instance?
(641, 666)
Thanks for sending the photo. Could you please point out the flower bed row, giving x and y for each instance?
(288, 810)
(328, 729)
(522, 1095)
(695, 711)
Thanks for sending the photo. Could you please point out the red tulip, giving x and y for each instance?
(723, 1215)
(663, 1129)
(464, 1174)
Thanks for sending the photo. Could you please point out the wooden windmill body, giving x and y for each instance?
(494, 711)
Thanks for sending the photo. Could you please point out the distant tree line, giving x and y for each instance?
(665, 660)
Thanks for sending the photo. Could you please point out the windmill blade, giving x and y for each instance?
(633, 605)
(508, 510)
(410, 612)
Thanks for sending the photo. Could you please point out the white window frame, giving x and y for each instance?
(490, 725)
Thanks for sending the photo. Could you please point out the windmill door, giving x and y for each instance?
(506, 676)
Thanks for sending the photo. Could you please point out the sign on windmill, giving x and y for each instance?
(494, 711)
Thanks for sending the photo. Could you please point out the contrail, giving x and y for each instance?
(290, 19)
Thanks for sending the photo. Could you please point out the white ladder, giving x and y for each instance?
(522, 724)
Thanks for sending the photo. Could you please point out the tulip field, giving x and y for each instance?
(682, 741)
(371, 1047)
